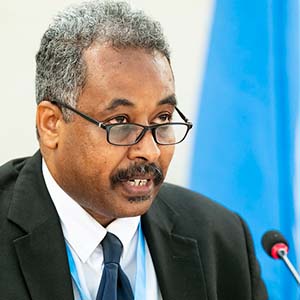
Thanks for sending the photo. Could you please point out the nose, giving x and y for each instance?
(146, 149)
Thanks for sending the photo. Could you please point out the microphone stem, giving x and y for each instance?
(283, 255)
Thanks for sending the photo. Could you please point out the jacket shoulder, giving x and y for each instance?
(185, 201)
(199, 215)
(10, 171)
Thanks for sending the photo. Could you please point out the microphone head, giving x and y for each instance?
(272, 241)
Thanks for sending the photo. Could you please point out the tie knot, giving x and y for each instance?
(112, 248)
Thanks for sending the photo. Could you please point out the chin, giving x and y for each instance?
(138, 205)
(139, 199)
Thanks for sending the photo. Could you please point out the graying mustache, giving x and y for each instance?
(138, 170)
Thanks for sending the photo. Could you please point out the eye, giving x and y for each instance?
(117, 120)
(163, 118)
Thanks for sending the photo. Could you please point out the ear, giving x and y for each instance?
(49, 119)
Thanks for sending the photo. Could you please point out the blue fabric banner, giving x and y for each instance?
(246, 131)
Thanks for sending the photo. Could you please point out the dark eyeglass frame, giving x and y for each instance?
(107, 127)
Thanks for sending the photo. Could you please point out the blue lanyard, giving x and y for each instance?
(74, 274)
(140, 279)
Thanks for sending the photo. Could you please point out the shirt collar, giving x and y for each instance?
(80, 229)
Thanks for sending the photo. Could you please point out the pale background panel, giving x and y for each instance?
(22, 23)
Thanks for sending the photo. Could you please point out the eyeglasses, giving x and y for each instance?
(128, 134)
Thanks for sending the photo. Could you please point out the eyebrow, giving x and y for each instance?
(169, 100)
(125, 102)
(118, 102)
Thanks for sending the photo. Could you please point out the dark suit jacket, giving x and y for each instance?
(199, 249)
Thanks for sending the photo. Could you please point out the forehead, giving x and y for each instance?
(129, 73)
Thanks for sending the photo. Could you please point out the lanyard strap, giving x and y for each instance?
(74, 274)
(140, 278)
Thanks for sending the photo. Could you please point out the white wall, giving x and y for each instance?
(22, 23)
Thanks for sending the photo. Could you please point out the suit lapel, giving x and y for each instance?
(176, 258)
(41, 250)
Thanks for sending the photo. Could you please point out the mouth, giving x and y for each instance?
(138, 182)
(137, 187)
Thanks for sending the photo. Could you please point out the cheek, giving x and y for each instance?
(166, 156)
(104, 161)
(100, 162)
(87, 150)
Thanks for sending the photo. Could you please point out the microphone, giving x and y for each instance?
(277, 247)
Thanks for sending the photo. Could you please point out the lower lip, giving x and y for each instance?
(140, 190)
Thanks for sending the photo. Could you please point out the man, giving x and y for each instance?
(106, 127)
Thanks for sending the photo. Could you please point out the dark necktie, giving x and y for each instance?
(114, 283)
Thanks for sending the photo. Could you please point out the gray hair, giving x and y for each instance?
(60, 68)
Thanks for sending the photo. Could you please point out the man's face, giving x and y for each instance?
(122, 85)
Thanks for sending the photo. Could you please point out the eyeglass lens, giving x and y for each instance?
(126, 134)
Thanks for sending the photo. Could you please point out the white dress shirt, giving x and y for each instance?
(84, 235)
